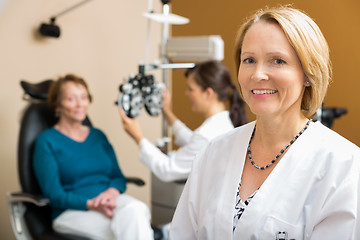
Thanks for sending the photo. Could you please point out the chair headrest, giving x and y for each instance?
(37, 90)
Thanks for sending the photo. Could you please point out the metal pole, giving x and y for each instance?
(165, 36)
(169, 66)
(147, 47)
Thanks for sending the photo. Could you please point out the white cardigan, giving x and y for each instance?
(177, 164)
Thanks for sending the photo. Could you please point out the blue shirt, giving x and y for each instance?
(70, 172)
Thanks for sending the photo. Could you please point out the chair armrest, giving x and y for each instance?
(135, 180)
(181, 182)
(27, 197)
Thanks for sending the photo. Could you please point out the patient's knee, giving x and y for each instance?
(132, 205)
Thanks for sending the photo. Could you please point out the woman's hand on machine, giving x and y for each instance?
(167, 110)
(131, 126)
(166, 101)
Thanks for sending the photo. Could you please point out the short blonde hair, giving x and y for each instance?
(310, 45)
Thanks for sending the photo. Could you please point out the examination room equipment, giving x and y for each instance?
(138, 91)
(29, 212)
(175, 53)
(327, 115)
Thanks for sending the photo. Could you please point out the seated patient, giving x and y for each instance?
(77, 170)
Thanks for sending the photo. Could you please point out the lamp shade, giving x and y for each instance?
(49, 30)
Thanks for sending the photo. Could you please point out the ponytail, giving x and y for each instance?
(215, 75)
(237, 108)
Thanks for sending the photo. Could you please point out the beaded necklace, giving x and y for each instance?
(282, 150)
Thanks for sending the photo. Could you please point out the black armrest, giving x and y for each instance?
(135, 180)
(26, 197)
(181, 182)
(41, 201)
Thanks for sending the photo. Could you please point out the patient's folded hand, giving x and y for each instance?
(106, 210)
(105, 202)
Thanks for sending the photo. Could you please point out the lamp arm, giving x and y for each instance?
(69, 9)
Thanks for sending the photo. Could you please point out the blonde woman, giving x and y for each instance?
(282, 176)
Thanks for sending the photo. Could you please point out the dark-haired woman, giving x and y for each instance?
(209, 88)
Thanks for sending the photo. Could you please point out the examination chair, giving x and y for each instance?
(30, 212)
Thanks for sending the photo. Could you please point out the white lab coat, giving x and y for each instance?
(177, 164)
(312, 193)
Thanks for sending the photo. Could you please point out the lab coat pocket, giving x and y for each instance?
(275, 227)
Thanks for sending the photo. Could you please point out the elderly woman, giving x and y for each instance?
(282, 176)
(77, 170)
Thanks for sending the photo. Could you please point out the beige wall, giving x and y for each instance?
(339, 21)
(103, 41)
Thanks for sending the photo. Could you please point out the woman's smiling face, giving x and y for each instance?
(270, 73)
(74, 102)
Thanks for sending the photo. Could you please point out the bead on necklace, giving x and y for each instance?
(280, 153)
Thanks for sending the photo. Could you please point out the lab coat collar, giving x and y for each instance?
(236, 156)
(269, 192)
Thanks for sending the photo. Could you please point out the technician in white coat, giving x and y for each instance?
(209, 88)
(282, 176)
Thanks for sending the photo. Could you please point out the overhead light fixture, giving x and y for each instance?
(52, 30)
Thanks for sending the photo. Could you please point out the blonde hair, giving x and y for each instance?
(310, 45)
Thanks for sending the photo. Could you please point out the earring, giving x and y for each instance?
(307, 83)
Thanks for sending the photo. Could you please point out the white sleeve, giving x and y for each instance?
(341, 211)
(184, 224)
(175, 166)
(182, 133)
